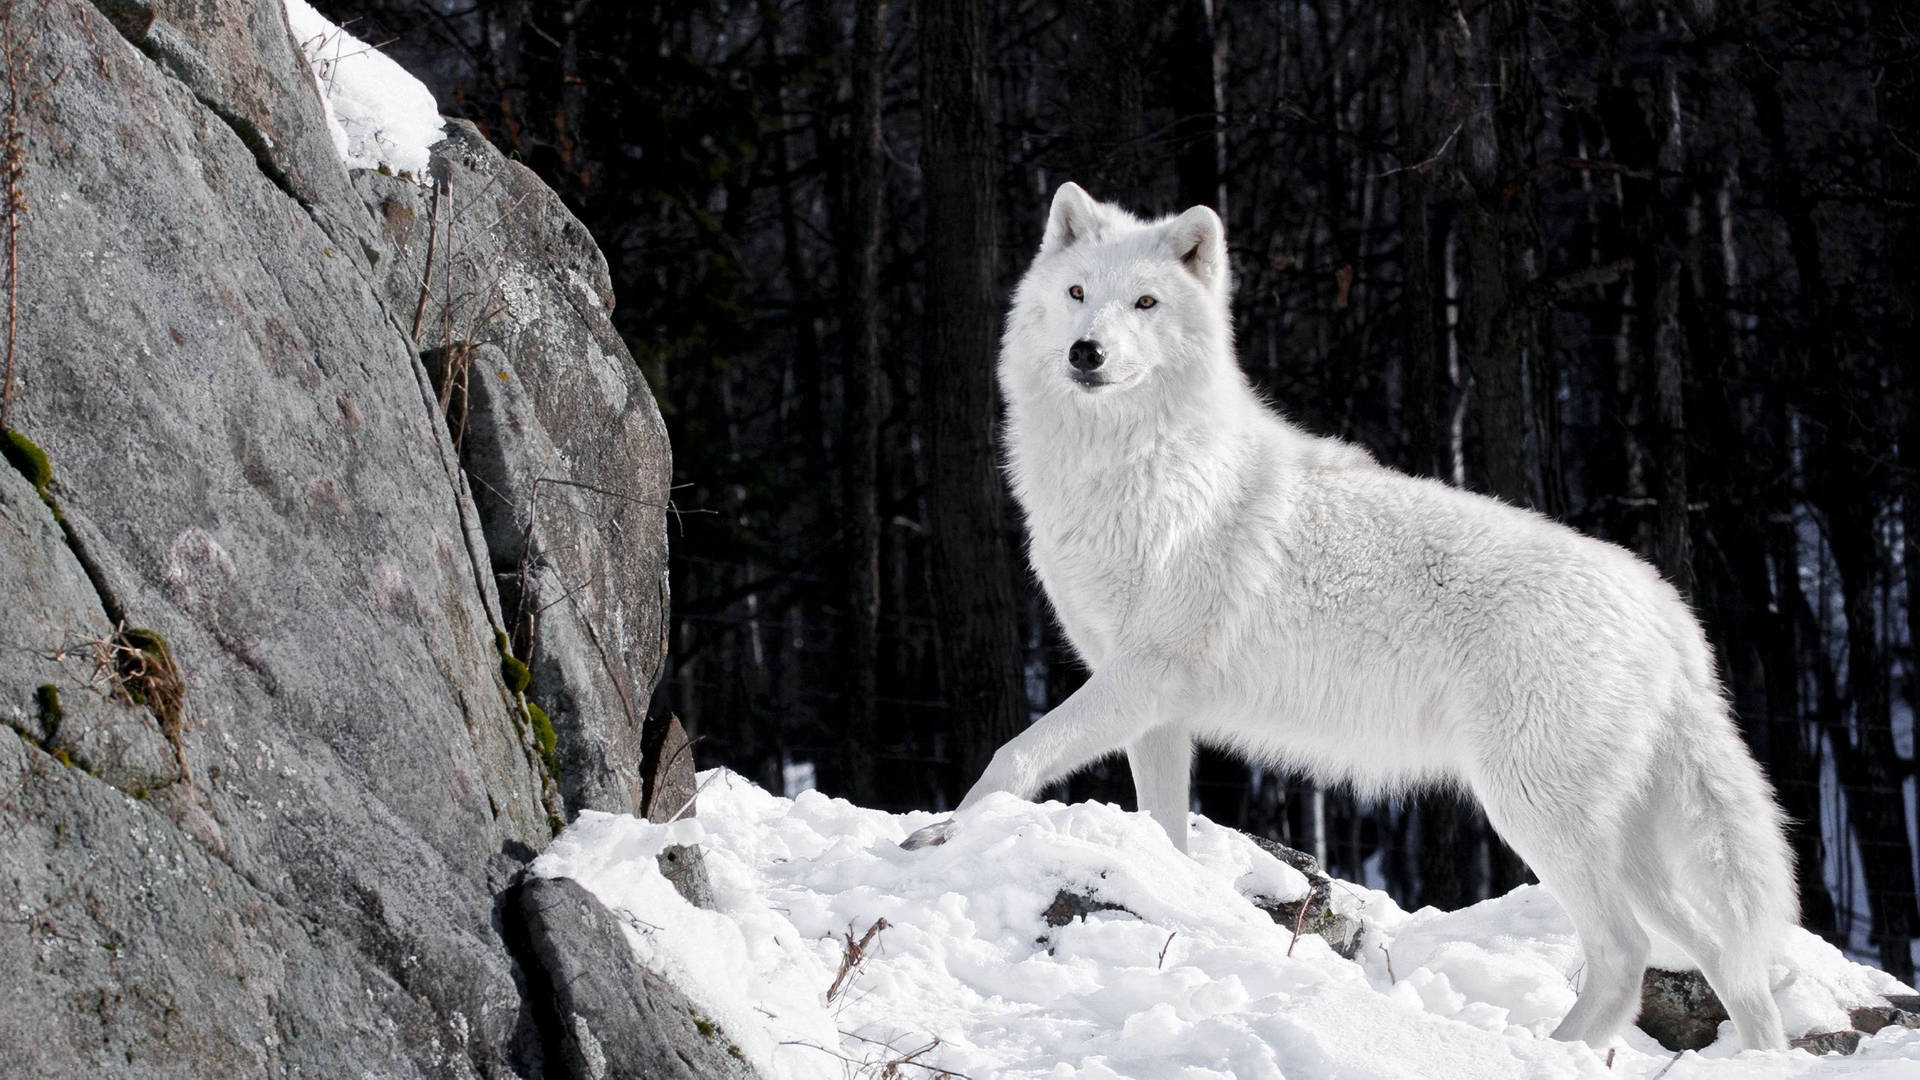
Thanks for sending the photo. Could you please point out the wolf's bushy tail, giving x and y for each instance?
(1731, 828)
(1729, 889)
(1725, 837)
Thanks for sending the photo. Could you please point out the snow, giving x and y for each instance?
(1190, 982)
(377, 113)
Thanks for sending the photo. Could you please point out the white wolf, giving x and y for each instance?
(1231, 579)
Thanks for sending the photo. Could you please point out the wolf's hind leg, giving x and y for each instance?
(1162, 765)
(1616, 949)
(1591, 879)
(1733, 959)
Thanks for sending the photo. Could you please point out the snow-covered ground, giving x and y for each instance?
(377, 113)
(1191, 981)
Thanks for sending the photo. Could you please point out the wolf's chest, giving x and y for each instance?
(1125, 570)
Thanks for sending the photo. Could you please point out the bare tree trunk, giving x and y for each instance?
(1425, 398)
(1675, 546)
(1502, 243)
(1658, 279)
(866, 199)
(1448, 825)
(1869, 766)
(1108, 130)
(1793, 765)
(1200, 139)
(1512, 375)
(971, 569)
(1446, 821)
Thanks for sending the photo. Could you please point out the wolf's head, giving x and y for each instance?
(1113, 303)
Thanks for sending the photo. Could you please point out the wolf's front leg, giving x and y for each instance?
(1110, 711)
(1162, 764)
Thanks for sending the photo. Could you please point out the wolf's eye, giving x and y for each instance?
(1145, 302)
(1077, 293)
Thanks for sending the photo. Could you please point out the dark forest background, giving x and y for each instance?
(1649, 268)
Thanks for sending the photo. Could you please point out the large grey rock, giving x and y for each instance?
(239, 58)
(1679, 1009)
(303, 874)
(1868, 1019)
(1828, 1042)
(1682, 1012)
(606, 1015)
(559, 433)
(133, 950)
(668, 790)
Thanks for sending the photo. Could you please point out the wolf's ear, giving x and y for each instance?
(1074, 218)
(1199, 241)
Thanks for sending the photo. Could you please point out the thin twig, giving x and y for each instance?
(685, 749)
(446, 273)
(1163, 950)
(598, 491)
(894, 1063)
(426, 278)
(1423, 166)
(1670, 1064)
(696, 794)
(1300, 920)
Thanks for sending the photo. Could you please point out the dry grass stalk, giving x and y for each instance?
(135, 666)
(890, 1068)
(475, 307)
(854, 956)
(456, 360)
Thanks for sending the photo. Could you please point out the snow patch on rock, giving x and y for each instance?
(378, 114)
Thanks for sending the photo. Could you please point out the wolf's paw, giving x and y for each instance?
(932, 836)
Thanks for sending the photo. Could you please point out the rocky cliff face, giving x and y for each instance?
(333, 599)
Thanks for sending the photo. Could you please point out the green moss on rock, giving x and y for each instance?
(543, 734)
(26, 456)
(513, 670)
(544, 739)
(147, 640)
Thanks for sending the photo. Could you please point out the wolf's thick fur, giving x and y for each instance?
(1231, 579)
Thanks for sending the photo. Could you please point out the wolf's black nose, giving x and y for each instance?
(1086, 355)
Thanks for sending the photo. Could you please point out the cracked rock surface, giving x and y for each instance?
(613, 1019)
(249, 460)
